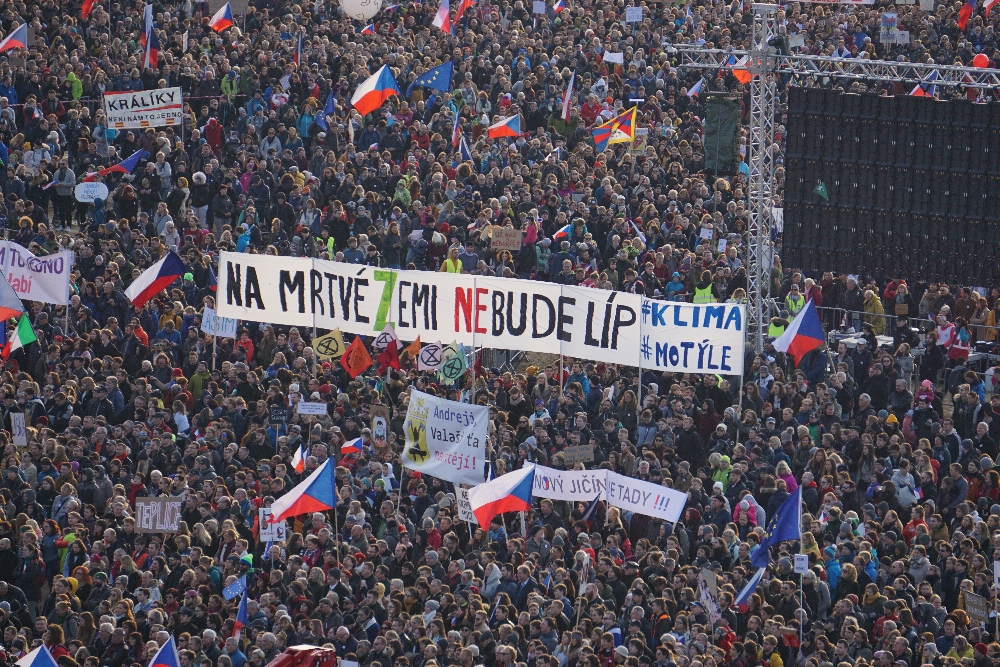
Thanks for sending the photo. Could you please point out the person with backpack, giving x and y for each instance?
(30, 576)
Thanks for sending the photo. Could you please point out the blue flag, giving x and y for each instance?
(235, 588)
(438, 78)
(463, 149)
(785, 525)
(328, 109)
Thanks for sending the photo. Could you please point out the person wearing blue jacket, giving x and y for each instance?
(833, 570)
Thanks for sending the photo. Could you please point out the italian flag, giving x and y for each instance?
(23, 335)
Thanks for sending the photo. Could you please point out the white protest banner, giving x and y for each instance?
(514, 314)
(633, 15)
(927, 5)
(572, 485)
(528, 315)
(214, 325)
(18, 429)
(646, 498)
(801, 563)
(307, 408)
(144, 108)
(271, 532)
(538, 7)
(88, 192)
(43, 279)
(260, 288)
(693, 338)
(614, 57)
(158, 515)
(465, 512)
(599, 324)
(445, 439)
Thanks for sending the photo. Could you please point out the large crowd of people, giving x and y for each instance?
(892, 441)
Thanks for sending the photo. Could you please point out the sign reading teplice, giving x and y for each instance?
(158, 515)
(580, 322)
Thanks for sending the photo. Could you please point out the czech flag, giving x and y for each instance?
(465, 5)
(222, 19)
(506, 493)
(568, 97)
(588, 514)
(966, 12)
(297, 56)
(352, 447)
(155, 279)
(40, 657)
(559, 6)
(299, 460)
(443, 18)
(744, 595)
(213, 283)
(241, 616)
(368, 29)
(376, 89)
(456, 124)
(166, 656)
(126, 166)
(696, 88)
(988, 6)
(316, 493)
(463, 149)
(152, 53)
(803, 335)
(10, 302)
(926, 89)
(563, 233)
(16, 40)
(506, 127)
(88, 6)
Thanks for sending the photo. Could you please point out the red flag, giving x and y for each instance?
(356, 359)
(88, 6)
(389, 358)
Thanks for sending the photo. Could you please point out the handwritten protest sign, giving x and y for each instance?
(445, 439)
(506, 238)
(158, 515)
(581, 454)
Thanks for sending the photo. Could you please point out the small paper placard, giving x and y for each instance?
(801, 563)
(796, 41)
(614, 57)
(307, 408)
(538, 7)
(633, 15)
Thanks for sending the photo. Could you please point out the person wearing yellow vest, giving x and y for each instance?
(777, 326)
(704, 291)
(452, 264)
(795, 301)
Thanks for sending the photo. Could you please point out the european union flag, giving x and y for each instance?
(329, 108)
(235, 588)
(438, 78)
(785, 525)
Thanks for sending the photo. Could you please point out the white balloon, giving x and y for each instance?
(361, 10)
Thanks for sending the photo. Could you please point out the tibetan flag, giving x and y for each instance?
(155, 279)
(507, 493)
(563, 233)
(222, 19)
(559, 6)
(329, 108)
(297, 56)
(235, 588)
(696, 88)
(16, 40)
(618, 130)
(10, 302)
(40, 657)
(568, 97)
(299, 460)
(438, 78)
(744, 595)
(166, 656)
(313, 494)
(356, 359)
(126, 166)
(463, 149)
(23, 336)
(352, 447)
(443, 18)
(966, 12)
(456, 125)
(151, 56)
(241, 615)
(803, 335)
(368, 29)
(926, 89)
(88, 6)
(786, 525)
(463, 7)
(506, 127)
(375, 90)
(213, 283)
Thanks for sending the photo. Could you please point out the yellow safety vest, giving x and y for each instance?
(703, 295)
(795, 306)
(773, 330)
